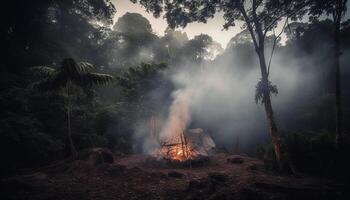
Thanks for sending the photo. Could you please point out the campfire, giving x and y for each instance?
(177, 149)
(188, 145)
(175, 143)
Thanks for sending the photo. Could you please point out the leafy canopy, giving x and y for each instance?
(268, 12)
(70, 72)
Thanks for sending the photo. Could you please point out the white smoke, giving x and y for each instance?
(218, 96)
(179, 114)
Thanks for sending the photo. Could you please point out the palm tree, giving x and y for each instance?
(70, 73)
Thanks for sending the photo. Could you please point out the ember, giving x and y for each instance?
(177, 149)
(189, 145)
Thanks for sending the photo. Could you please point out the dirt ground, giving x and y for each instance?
(134, 177)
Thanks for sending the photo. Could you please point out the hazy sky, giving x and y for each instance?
(212, 28)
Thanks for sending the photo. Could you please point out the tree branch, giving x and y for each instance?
(266, 29)
(250, 28)
(274, 45)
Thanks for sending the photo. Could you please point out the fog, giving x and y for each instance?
(84, 76)
(218, 96)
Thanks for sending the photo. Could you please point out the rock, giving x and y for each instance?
(175, 174)
(235, 160)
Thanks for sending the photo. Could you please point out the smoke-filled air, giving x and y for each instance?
(142, 99)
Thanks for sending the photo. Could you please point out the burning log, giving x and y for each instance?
(186, 149)
(177, 149)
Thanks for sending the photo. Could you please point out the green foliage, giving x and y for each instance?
(68, 75)
(335, 8)
(25, 141)
(261, 87)
(33, 123)
(116, 122)
(48, 31)
(70, 72)
(313, 153)
(139, 80)
(133, 23)
(199, 48)
(180, 13)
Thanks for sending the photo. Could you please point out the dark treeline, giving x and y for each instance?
(33, 128)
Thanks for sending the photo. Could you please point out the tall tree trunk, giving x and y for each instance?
(338, 102)
(71, 144)
(258, 38)
(275, 137)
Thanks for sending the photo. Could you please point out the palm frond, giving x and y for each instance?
(89, 79)
(45, 70)
(85, 66)
(78, 73)
(70, 68)
(75, 69)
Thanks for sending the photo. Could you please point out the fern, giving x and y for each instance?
(259, 91)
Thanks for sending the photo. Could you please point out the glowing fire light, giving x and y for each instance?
(177, 149)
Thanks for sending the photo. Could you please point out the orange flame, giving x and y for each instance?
(177, 149)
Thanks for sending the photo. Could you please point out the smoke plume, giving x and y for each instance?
(179, 114)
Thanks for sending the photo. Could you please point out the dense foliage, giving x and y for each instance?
(43, 33)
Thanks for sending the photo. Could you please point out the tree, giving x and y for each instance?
(133, 39)
(40, 31)
(133, 23)
(259, 17)
(139, 85)
(336, 9)
(70, 73)
(199, 48)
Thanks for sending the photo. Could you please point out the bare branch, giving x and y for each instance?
(274, 45)
(250, 28)
(288, 15)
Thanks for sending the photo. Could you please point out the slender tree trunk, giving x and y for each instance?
(338, 102)
(71, 144)
(258, 38)
(275, 137)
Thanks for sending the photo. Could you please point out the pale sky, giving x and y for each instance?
(213, 27)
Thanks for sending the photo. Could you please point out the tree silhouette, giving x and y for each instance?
(70, 73)
(336, 9)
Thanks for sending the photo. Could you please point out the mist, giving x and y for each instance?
(144, 99)
(219, 96)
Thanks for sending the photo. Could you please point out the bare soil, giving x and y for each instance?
(132, 177)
